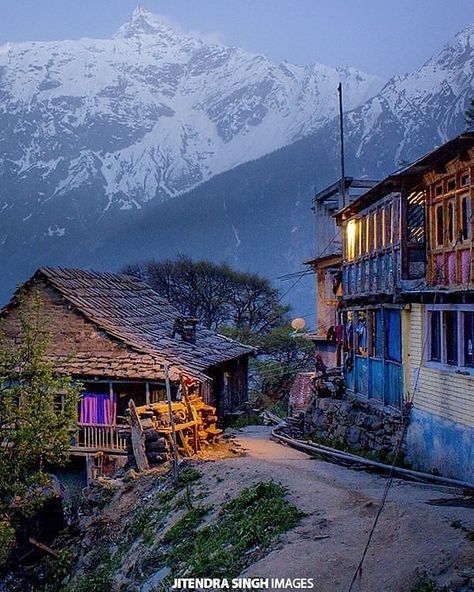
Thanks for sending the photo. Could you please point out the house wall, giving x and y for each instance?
(229, 385)
(440, 435)
(78, 347)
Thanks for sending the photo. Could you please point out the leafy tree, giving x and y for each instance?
(242, 304)
(35, 423)
(282, 355)
(469, 113)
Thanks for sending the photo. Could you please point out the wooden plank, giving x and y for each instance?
(138, 438)
(43, 547)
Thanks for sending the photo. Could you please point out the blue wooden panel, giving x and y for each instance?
(361, 381)
(350, 379)
(393, 384)
(376, 379)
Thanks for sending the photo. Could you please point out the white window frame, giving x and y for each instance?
(443, 365)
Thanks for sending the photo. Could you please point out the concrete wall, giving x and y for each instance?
(435, 444)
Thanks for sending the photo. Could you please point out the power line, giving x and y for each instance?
(388, 485)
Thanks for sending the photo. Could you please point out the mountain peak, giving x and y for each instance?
(142, 22)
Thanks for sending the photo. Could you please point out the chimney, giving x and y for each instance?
(185, 327)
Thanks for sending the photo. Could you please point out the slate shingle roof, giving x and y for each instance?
(129, 310)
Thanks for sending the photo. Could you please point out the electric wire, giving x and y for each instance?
(396, 453)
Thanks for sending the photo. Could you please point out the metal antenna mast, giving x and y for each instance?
(341, 126)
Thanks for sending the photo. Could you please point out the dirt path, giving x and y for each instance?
(413, 537)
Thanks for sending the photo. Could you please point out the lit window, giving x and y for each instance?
(351, 238)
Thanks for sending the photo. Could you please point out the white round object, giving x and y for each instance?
(298, 324)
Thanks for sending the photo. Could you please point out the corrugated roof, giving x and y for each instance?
(129, 310)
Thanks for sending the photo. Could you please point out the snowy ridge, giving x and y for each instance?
(153, 112)
(417, 111)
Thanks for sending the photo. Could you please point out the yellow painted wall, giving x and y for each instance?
(442, 392)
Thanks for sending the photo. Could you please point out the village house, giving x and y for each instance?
(114, 334)
(406, 307)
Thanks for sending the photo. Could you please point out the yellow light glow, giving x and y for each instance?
(351, 235)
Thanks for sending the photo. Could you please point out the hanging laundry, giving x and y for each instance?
(98, 409)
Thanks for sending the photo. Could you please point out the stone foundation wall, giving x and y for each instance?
(352, 423)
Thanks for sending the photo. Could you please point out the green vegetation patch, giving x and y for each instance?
(242, 532)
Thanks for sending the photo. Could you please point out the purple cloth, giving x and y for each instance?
(98, 409)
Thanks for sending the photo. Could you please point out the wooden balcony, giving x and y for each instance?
(90, 438)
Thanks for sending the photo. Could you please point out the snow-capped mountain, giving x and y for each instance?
(96, 136)
(415, 112)
(152, 112)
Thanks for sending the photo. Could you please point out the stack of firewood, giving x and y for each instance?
(151, 437)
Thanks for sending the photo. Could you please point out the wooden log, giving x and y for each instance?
(43, 547)
(147, 423)
(152, 436)
(138, 438)
(158, 457)
(157, 446)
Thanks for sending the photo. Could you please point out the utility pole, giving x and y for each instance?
(342, 201)
(173, 425)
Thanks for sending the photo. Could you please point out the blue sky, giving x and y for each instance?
(379, 36)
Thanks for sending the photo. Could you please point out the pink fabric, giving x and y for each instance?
(452, 268)
(465, 266)
(439, 276)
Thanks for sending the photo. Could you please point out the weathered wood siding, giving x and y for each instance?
(445, 393)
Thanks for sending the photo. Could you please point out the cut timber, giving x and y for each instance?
(195, 425)
(137, 438)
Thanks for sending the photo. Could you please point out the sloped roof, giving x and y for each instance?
(127, 309)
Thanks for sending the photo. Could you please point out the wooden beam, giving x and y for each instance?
(138, 438)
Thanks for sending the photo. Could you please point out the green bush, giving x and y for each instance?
(7, 541)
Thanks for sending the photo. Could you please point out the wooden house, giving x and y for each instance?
(114, 334)
(407, 303)
(327, 260)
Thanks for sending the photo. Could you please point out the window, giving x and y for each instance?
(376, 334)
(351, 239)
(466, 217)
(465, 180)
(439, 225)
(388, 224)
(361, 333)
(451, 333)
(393, 343)
(383, 230)
(435, 328)
(451, 185)
(375, 245)
(469, 339)
(450, 221)
(368, 244)
(439, 190)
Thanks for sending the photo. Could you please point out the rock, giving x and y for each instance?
(156, 579)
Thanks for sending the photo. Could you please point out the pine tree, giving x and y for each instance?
(38, 411)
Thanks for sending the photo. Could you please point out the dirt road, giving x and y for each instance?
(413, 537)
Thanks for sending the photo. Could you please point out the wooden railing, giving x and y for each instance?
(90, 437)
